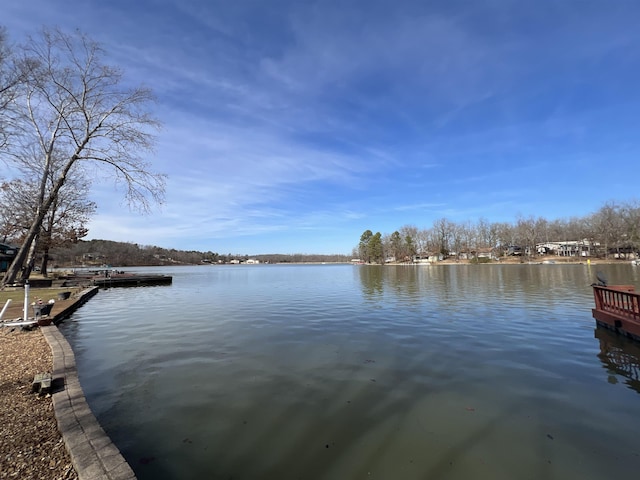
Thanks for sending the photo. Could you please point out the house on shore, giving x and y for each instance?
(475, 253)
(569, 248)
(7, 254)
(428, 257)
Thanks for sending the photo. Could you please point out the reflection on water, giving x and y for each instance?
(620, 356)
(343, 372)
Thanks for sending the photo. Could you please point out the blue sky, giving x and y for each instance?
(293, 126)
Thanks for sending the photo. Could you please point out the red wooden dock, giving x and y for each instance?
(618, 308)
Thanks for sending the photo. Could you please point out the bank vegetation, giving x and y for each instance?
(611, 232)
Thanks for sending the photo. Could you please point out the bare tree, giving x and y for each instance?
(9, 79)
(607, 225)
(17, 211)
(455, 240)
(468, 239)
(66, 221)
(483, 233)
(505, 235)
(530, 231)
(422, 240)
(14, 72)
(443, 230)
(630, 214)
(75, 110)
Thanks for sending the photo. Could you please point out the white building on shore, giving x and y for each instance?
(569, 248)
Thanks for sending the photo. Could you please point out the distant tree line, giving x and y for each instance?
(613, 230)
(301, 258)
(106, 252)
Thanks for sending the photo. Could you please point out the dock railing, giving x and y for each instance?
(619, 300)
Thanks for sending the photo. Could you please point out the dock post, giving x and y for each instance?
(4, 309)
(26, 300)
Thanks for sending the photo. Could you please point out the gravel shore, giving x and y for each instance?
(31, 446)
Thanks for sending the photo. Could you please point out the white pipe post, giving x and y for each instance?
(4, 309)
(26, 300)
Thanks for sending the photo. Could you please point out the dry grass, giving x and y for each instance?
(16, 295)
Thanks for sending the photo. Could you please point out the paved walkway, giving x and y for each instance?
(93, 454)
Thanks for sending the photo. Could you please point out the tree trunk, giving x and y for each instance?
(31, 237)
(16, 266)
(31, 258)
(45, 262)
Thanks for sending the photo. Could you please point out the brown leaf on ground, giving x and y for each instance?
(30, 444)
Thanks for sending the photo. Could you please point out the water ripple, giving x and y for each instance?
(340, 371)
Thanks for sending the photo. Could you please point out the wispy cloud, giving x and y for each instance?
(300, 122)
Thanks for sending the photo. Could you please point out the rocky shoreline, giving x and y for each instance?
(31, 445)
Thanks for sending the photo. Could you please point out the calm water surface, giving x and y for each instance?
(343, 372)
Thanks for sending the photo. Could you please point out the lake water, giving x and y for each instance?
(362, 372)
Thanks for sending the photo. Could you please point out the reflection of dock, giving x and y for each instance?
(620, 355)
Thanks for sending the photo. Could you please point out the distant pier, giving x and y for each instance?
(114, 278)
